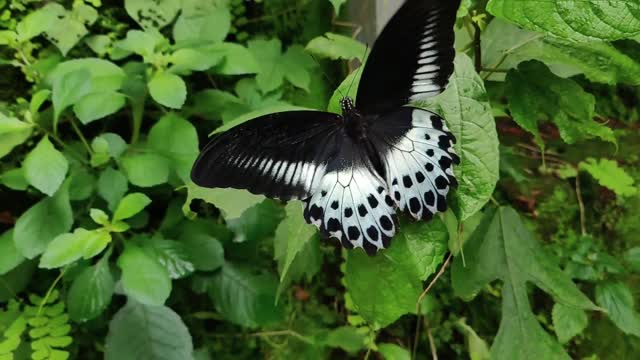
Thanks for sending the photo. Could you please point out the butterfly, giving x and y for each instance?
(354, 171)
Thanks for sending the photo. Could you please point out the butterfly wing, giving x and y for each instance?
(352, 203)
(416, 149)
(412, 58)
(281, 155)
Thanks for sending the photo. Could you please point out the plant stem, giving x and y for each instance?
(583, 221)
(49, 292)
(477, 46)
(432, 343)
(137, 114)
(81, 136)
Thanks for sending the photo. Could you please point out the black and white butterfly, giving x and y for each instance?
(354, 170)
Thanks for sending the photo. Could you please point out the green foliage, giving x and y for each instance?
(103, 110)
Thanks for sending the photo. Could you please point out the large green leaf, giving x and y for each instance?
(91, 292)
(152, 14)
(244, 297)
(336, 46)
(39, 225)
(168, 89)
(69, 247)
(68, 27)
(617, 299)
(143, 277)
(175, 138)
(291, 236)
(172, 255)
(10, 257)
(231, 202)
(13, 132)
(112, 185)
(131, 205)
(146, 169)
(202, 22)
(45, 167)
(466, 108)
(535, 94)
(568, 321)
(504, 46)
(573, 19)
(140, 331)
(275, 67)
(238, 60)
(387, 286)
(502, 248)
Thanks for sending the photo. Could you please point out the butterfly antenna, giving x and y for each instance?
(326, 76)
(358, 69)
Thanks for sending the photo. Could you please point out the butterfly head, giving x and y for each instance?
(347, 104)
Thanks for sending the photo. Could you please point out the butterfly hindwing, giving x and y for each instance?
(282, 155)
(412, 58)
(417, 151)
(352, 203)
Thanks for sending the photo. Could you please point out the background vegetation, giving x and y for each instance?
(107, 250)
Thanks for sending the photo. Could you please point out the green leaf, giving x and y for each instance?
(140, 331)
(337, 4)
(238, 60)
(335, 47)
(568, 321)
(610, 175)
(274, 67)
(291, 236)
(187, 60)
(98, 105)
(394, 352)
(146, 170)
(99, 217)
(112, 185)
(10, 257)
(13, 132)
(573, 19)
(231, 202)
(68, 27)
(632, 257)
(69, 89)
(69, 247)
(99, 44)
(45, 168)
(177, 139)
(468, 113)
(143, 43)
(39, 21)
(477, 348)
(39, 225)
(203, 251)
(502, 248)
(244, 297)
(395, 275)
(202, 22)
(533, 90)
(130, 205)
(152, 15)
(617, 299)
(168, 89)
(506, 45)
(257, 222)
(83, 184)
(14, 179)
(172, 255)
(90, 293)
(347, 338)
(143, 277)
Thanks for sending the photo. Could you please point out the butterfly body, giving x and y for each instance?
(356, 170)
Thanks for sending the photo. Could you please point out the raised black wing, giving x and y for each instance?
(412, 58)
(281, 155)
(416, 149)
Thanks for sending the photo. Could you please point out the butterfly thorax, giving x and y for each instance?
(355, 124)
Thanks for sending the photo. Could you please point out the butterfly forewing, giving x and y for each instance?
(282, 155)
(417, 151)
(352, 203)
(412, 58)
